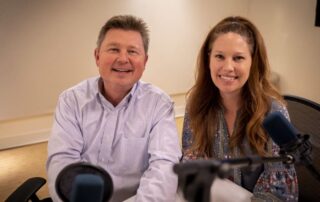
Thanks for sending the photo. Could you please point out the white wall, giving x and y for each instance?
(47, 46)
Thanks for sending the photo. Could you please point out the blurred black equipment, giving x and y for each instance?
(87, 188)
(27, 191)
(290, 141)
(317, 21)
(305, 117)
(196, 177)
(83, 182)
(79, 182)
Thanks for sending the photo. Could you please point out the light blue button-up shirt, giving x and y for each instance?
(136, 142)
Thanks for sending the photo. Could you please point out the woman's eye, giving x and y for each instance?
(218, 56)
(238, 58)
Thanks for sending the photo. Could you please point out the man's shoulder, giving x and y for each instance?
(87, 88)
(149, 90)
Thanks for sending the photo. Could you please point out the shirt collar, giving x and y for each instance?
(124, 102)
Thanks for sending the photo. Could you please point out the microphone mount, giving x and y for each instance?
(300, 150)
(196, 177)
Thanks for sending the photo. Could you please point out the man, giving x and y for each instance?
(117, 121)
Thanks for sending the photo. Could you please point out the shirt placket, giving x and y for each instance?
(109, 134)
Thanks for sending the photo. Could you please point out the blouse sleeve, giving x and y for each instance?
(278, 182)
(187, 152)
(186, 133)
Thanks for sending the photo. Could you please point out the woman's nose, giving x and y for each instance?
(228, 65)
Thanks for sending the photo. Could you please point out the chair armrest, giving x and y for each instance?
(27, 190)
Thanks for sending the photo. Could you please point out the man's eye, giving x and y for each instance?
(113, 50)
(133, 52)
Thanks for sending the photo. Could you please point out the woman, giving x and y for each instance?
(226, 107)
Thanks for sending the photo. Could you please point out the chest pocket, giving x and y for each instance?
(132, 148)
(134, 156)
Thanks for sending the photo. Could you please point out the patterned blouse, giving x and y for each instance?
(273, 181)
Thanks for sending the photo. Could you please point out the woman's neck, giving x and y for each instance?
(231, 106)
(231, 103)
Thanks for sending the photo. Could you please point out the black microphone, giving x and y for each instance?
(287, 137)
(87, 188)
(84, 182)
(280, 130)
(290, 141)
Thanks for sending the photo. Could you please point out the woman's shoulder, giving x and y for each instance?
(279, 106)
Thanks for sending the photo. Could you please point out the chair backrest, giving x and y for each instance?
(305, 116)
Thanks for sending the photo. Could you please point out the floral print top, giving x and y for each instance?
(273, 181)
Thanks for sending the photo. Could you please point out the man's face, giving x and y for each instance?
(121, 59)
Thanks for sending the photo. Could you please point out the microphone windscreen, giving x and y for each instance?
(87, 188)
(65, 181)
(280, 129)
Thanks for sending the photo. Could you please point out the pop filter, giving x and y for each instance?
(67, 178)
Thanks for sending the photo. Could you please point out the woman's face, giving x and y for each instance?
(230, 63)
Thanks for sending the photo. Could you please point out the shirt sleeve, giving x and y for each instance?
(65, 142)
(278, 182)
(159, 182)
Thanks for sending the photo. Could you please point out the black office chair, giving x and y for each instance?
(27, 191)
(305, 116)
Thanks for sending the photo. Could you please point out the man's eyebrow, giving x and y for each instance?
(133, 46)
(117, 44)
(112, 44)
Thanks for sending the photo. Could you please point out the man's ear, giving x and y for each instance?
(96, 56)
(145, 62)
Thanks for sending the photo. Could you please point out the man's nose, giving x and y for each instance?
(123, 56)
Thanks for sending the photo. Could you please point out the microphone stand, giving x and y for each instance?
(195, 177)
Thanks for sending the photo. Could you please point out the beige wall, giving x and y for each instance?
(293, 43)
(47, 46)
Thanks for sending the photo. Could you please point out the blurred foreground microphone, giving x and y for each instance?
(83, 182)
(87, 188)
(290, 141)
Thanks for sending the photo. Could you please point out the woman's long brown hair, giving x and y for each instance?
(204, 99)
